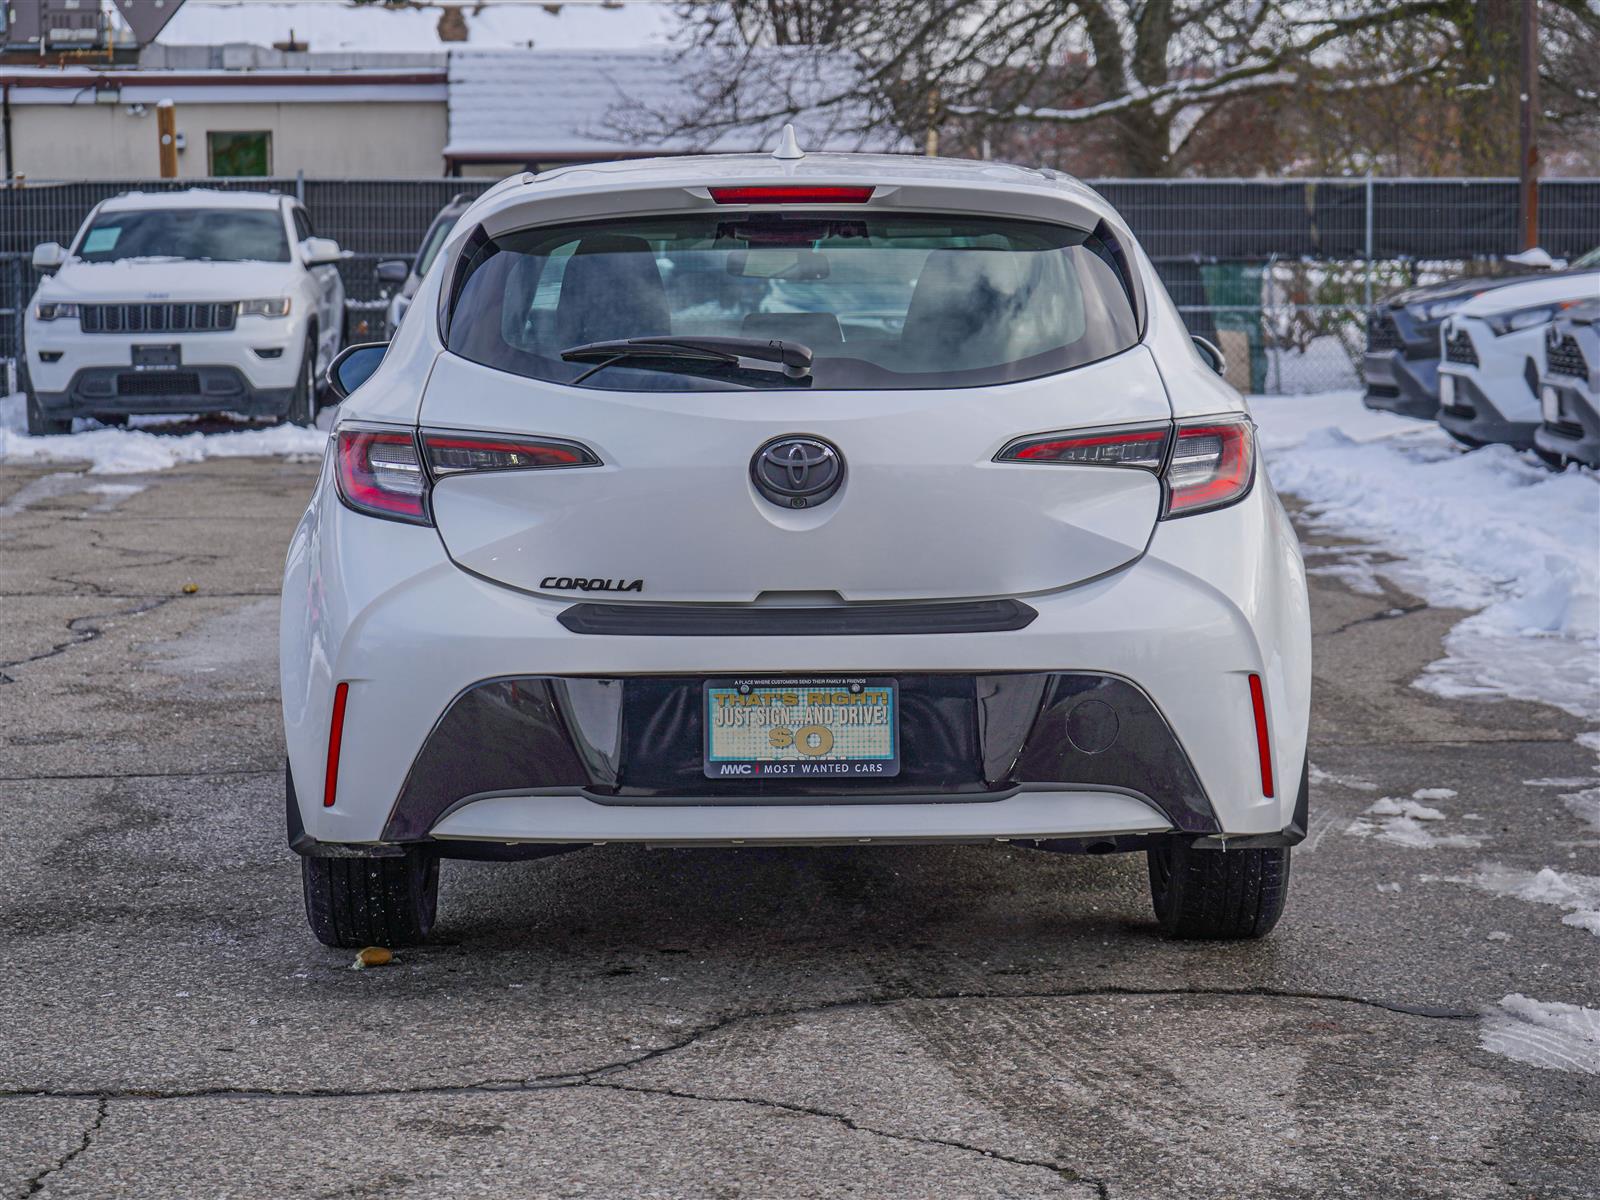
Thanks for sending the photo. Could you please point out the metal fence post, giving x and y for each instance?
(1369, 242)
(300, 186)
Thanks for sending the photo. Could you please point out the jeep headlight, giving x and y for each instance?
(54, 312)
(1443, 308)
(264, 308)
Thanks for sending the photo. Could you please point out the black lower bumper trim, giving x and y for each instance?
(848, 620)
(639, 740)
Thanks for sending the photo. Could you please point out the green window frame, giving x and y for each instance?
(239, 152)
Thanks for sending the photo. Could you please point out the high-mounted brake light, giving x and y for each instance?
(1203, 464)
(792, 194)
(384, 474)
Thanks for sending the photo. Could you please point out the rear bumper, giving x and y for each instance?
(1406, 386)
(381, 607)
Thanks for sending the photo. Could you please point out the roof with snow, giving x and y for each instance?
(581, 104)
(325, 26)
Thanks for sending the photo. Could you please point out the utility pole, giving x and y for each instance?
(1530, 124)
(167, 133)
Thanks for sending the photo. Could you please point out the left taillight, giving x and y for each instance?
(380, 474)
(390, 474)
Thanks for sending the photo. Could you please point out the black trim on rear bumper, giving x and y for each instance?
(850, 620)
(638, 740)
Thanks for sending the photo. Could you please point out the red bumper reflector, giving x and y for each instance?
(1258, 701)
(792, 194)
(335, 733)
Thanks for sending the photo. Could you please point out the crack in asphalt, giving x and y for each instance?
(82, 636)
(588, 1076)
(220, 771)
(1064, 1173)
(1388, 614)
(35, 1182)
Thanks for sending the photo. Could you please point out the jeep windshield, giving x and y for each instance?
(203, 234)
(902, 301)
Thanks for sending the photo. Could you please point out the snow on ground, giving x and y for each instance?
(1492, 531)
(1401, 822)
(136, 450)
(1578, 895)
(1562, 1037)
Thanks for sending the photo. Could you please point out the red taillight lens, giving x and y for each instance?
(449, 453)
(381, 474)
(1213, 464)
(1205, 464)
(1108, 448)
(792, 194)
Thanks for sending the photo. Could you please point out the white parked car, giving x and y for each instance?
(183, 302)
(1569, 388)
(837, 499)
(1492, 347)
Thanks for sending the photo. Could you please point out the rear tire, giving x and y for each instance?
(354, 902)
(1218, 894)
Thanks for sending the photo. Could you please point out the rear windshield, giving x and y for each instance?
(205, 234)
(882, 301)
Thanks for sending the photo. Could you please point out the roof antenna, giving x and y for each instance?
(788, 145)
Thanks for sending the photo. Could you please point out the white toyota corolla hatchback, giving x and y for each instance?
(792, 500)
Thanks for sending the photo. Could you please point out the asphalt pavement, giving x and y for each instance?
(876, 1022)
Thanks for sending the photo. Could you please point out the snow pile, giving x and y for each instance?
(1560, 1037)
(1492, 530)
(133, 451)
(1401, 822)
(1578, 894)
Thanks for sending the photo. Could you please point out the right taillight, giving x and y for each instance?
(1212, 465)
(389, 473)
(1203, 465)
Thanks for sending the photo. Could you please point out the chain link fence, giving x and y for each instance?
(1280, 273)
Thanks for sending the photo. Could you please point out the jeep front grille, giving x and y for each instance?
(1564, 357)
(157, 318)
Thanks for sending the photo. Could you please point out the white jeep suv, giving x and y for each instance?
(837, 499)
(182, 302)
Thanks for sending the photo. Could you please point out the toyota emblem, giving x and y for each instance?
(797, 472)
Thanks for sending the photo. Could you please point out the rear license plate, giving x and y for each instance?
(145, 357)
(802, 728)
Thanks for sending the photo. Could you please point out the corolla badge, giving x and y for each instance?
(796, 471)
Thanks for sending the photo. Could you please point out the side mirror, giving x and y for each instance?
(319, 252)
(49, 256)
(353, 366)
(1214, 357)
(392, 270)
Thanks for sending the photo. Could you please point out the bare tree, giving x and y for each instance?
(1150, 83)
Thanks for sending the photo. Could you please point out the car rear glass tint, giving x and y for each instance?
(882, 301)
(214, 234)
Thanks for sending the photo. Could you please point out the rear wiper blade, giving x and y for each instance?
(792, 357)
